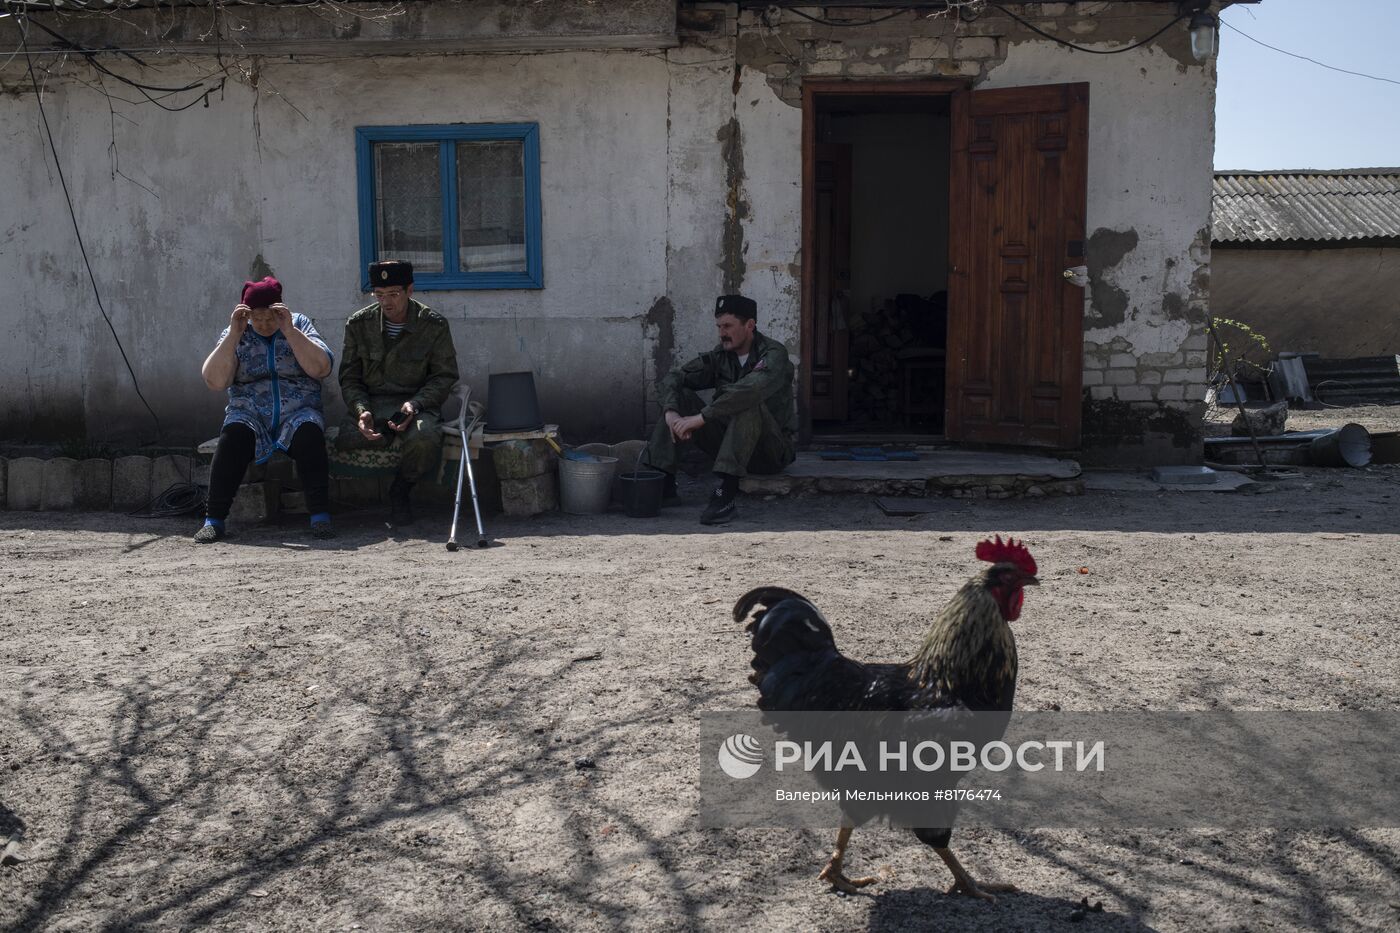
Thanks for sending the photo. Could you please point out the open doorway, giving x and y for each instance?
(876, 332)
(942, 234)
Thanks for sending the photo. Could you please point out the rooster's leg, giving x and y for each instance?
(963, 883)
(832, 873)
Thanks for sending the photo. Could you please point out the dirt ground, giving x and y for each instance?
(275, 733)
(1374, 418)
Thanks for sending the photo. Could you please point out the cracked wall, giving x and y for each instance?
(1151, 136)
(670, 175)
(171, 248)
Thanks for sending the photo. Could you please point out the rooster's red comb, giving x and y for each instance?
(1010, 552)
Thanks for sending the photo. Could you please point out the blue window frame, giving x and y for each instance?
(461, 201)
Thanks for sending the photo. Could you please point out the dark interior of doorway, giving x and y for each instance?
(881, 291)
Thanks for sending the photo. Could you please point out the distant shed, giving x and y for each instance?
(1310, 259)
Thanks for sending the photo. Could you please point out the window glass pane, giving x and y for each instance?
(408, 206)
(491, 206)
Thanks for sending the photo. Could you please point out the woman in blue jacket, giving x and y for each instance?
(271, 362)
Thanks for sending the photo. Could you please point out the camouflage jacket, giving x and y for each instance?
(420, 366)
(765, 379)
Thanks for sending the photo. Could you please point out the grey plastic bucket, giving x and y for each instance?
(1349, 445)
(585, 486)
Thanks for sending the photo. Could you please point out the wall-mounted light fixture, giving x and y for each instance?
(1204, 28)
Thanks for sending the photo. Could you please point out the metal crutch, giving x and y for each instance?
(464, 468)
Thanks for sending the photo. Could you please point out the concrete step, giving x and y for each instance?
(958, 473)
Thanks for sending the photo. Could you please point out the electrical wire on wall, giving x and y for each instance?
(976, 6)
(179, 498)
(77, 231)
(1084, 48)
(848, 22)
(90, 56)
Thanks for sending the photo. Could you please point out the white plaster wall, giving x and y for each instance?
(772, 133)
(701, 103)
(1151, 138)
(1151, 144)
(170, 260)
(634, 204)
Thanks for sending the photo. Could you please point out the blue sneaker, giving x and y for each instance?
(209, 534)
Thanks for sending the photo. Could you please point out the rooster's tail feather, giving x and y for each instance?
(766, 596)
(789, 625)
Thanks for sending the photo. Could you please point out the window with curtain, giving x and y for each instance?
(459, 201)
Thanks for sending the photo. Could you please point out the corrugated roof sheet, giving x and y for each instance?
(1266, 207)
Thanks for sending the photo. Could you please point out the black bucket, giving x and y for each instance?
(511, 403)
(642, 489)
(641, 492)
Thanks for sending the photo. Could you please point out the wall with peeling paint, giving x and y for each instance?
(1151, 144)
(1151, 140)
(251, 185)
(670, 175)
(1151, 137)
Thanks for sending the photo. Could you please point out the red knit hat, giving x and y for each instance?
(262, 294)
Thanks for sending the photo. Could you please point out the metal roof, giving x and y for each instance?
(1271, 207)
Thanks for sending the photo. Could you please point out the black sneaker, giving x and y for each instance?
(208, 534)
(322, 531)
(400, 506)
(720, 509)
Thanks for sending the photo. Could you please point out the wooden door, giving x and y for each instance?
(832, 282)
(1015, 323)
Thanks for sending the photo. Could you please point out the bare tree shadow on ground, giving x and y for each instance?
(407, 760)
(182, 801)
(426, 799)
(924, 908)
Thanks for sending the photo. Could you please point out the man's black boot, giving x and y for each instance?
(400, 506)
(721, 508)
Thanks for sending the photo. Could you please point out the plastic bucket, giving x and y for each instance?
(511, 403)
(1349, 445)
(585, 486)
(641, 492)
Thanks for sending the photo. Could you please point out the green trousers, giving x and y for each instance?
(749, 442)
(420, 443)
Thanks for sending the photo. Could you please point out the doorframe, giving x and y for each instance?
(812, 89)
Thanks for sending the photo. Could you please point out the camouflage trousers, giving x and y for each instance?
(420, 444)
(750, 442)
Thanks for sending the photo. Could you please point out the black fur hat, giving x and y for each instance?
(390, 272)
(745, 309)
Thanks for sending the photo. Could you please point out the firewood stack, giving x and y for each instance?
(877, 336)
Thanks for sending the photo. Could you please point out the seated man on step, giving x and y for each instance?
(749, 427)
(397, 367)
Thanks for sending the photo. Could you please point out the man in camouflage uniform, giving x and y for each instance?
(749, 427)
(398, 360)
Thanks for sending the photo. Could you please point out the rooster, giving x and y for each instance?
(967, 661)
